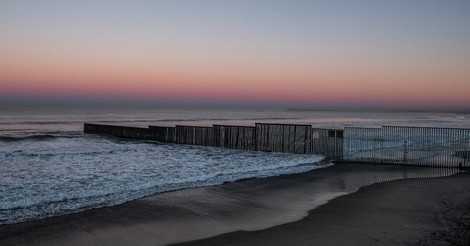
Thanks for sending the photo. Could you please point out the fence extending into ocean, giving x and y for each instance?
(416, 146)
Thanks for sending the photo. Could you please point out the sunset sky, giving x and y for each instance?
(308, 54)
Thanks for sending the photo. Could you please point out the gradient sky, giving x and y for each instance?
(413, 54)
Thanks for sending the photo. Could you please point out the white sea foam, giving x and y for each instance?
(53, 176)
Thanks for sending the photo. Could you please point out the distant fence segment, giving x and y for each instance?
(195, 135)
(328, 142)
(418, 146)
(164, 134)
(120, 131)
(284, 138)
(235, 137)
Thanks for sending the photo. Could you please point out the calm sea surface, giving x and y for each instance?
(49, 167)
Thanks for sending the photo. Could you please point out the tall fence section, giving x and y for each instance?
(235, 137)
(418, 146)
(284, 138)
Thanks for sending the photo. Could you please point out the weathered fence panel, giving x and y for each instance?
(418, 146)
(164, 133)
(204, 136)
(195, 135)
(235, 137)
(284, 138)
(120, 131)
(328, 142)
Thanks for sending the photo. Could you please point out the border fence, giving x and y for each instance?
(284, 138)
(417, 146)
(235, 137)
(328, 142)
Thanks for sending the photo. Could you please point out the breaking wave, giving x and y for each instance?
(60, 175)
(37, 137)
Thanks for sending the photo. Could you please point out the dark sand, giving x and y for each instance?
(403, 212)
(274, 211)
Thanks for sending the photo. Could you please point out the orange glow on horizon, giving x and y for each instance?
(238, 79)
(387, 53)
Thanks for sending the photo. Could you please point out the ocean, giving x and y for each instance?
(48, 167)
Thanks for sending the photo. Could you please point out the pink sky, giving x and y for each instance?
(261, 59)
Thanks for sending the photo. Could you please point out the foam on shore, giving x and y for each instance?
(51, 176)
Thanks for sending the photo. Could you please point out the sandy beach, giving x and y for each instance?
(404, 212)
(330, 206)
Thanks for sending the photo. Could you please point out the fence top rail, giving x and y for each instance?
(402, 127)
(428, 127)
(96, 124)
(150, 126)
(283, 124)
(363, 128)
(328, 129)
(217, 125)
(113, 126)
(193, 126)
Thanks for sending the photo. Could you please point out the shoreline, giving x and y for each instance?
(192, 214)
(414, 212)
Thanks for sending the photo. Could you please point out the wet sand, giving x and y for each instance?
(403, 212)
(274, 210)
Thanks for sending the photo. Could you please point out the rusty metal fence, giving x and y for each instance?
(284, 138)
(234, 137)
(164, 133)
(196, 135)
